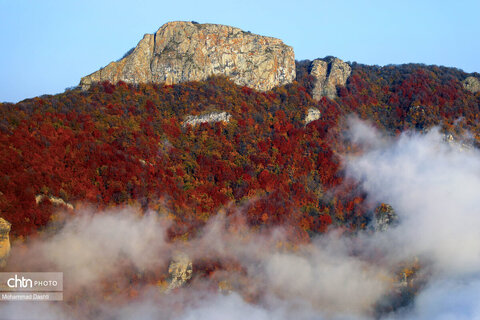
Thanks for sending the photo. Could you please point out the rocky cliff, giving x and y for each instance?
(186, 51)
(472, 84)
(329, 73)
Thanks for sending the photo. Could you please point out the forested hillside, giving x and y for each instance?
(129, 144)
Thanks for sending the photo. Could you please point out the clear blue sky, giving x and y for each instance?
(48, 45)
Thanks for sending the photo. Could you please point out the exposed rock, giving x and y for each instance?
(180, 270)
(4, 241)
(385, 217)
(329, 74)
(407, 281)
(312, 115)
(209, 117)
(471, 84)
(462, 146)
(448, 138)
(406, 277)
(55, 200)
(185, 51)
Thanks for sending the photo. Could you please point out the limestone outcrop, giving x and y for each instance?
(180, 270)
(385, 217)
(329, 73)
(211, 117)
(4, 241)
(187, 51)
(55, 200)
(312, 115)
(471, 84)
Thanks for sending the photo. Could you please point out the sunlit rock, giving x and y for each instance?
(186, 51)
(471, 84)
(312, 115)
(4, 241)
(55, 200)
(209, 118)
(329, 73)
(180, 270)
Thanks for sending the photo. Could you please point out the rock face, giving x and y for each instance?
(385, 217)
(312, 115)
(186, 51)
(4, 241)
(471, 84)
(55, 200)
(329, 73)
(180, 270)
(209, 117)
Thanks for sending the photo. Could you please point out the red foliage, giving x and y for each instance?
(123, 144)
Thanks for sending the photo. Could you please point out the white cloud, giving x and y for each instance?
(434, 187)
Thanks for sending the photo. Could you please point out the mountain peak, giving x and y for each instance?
(188, 51)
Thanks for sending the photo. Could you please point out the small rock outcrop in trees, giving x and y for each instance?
(329, 73)
(385, 217)
(209, 117)
(471, 84)
(4, 241)
(312, 115)
(180, 270)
